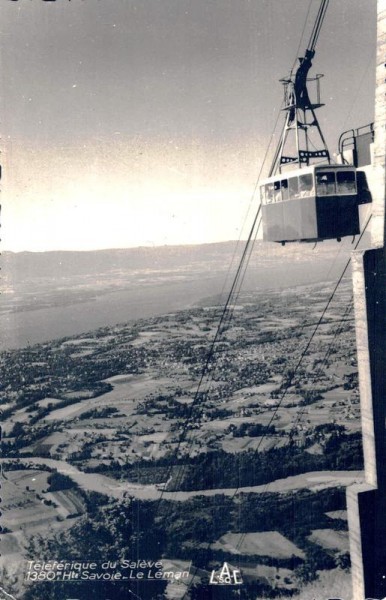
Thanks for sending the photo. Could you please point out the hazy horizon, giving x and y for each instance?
(150, 246)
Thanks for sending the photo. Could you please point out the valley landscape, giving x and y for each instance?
(143, 439)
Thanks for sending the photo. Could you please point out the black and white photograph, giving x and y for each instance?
(193, 299)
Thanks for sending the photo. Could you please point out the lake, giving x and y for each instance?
(32, 314)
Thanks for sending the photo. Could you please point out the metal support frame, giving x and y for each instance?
(300, 119)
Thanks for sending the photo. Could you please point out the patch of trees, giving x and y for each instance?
(309, 397)
(18, 465)
(343, 451)
(94, 389)
(219, 469)
(172, 409)
(322, 433)
(25, 436)
(86, 451)
(99, 413)
(254, 373)
(252, 430)
(115, 530)
(294, 515)
(7, 412)
(318, 559)
(58, 481)
(165, 405)
(30, 395)
(351, 381)
(18, 430)
(30, 398)
(144, 472)
(219, 413)
(41, 412)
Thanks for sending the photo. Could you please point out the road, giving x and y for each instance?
(96, 482)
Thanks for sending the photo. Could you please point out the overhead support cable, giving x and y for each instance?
(227, 312)
(317, 26)
(291, 379)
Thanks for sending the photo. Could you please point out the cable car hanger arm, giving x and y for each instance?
(300, 83)
(300, 109)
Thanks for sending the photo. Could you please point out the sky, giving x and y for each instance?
(145, 122)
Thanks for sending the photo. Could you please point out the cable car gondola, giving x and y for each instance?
(314, 203)
(317, 200)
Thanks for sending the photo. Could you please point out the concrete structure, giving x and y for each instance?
(367, 503)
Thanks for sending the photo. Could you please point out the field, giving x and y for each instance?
(268, 543)
(119, 412)
(330, 539)
(29, 510)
